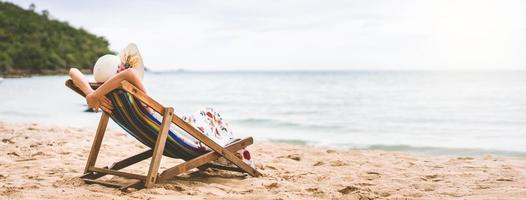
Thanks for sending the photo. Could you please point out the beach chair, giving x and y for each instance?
(129, 114)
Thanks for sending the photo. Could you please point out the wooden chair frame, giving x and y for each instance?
(91, 173)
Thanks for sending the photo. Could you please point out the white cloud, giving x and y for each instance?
(303, 34)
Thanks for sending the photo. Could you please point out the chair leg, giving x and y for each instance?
(121, 164)
(202, 160)
(95, 147)
(151, 178)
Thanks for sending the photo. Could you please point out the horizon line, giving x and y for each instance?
(182, 70)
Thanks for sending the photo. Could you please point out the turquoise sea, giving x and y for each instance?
(433, 112)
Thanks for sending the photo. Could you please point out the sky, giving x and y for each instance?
(308, 34)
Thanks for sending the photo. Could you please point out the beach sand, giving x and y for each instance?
(44, 162)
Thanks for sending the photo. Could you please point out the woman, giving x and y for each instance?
(129, 66)
(131, 69)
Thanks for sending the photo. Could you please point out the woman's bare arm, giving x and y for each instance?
(80, 81)
(97, 98)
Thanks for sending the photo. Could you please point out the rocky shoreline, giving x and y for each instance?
(29, 73)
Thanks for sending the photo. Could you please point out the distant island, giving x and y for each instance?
(33, 43)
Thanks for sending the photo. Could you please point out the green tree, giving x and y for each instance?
(33, 43)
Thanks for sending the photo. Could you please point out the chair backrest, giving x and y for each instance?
(131, 115)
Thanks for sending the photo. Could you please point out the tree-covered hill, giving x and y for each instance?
(33, 43)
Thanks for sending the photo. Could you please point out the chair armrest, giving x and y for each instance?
(71, 85)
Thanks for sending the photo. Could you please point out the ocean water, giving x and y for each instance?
(432, 112)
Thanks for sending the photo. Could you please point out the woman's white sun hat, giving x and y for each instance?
(105, 67)
(131, 56)
(109, 65)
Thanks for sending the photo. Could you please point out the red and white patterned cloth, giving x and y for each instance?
(211, 124)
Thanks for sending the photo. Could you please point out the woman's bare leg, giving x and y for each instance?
(80, 81)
